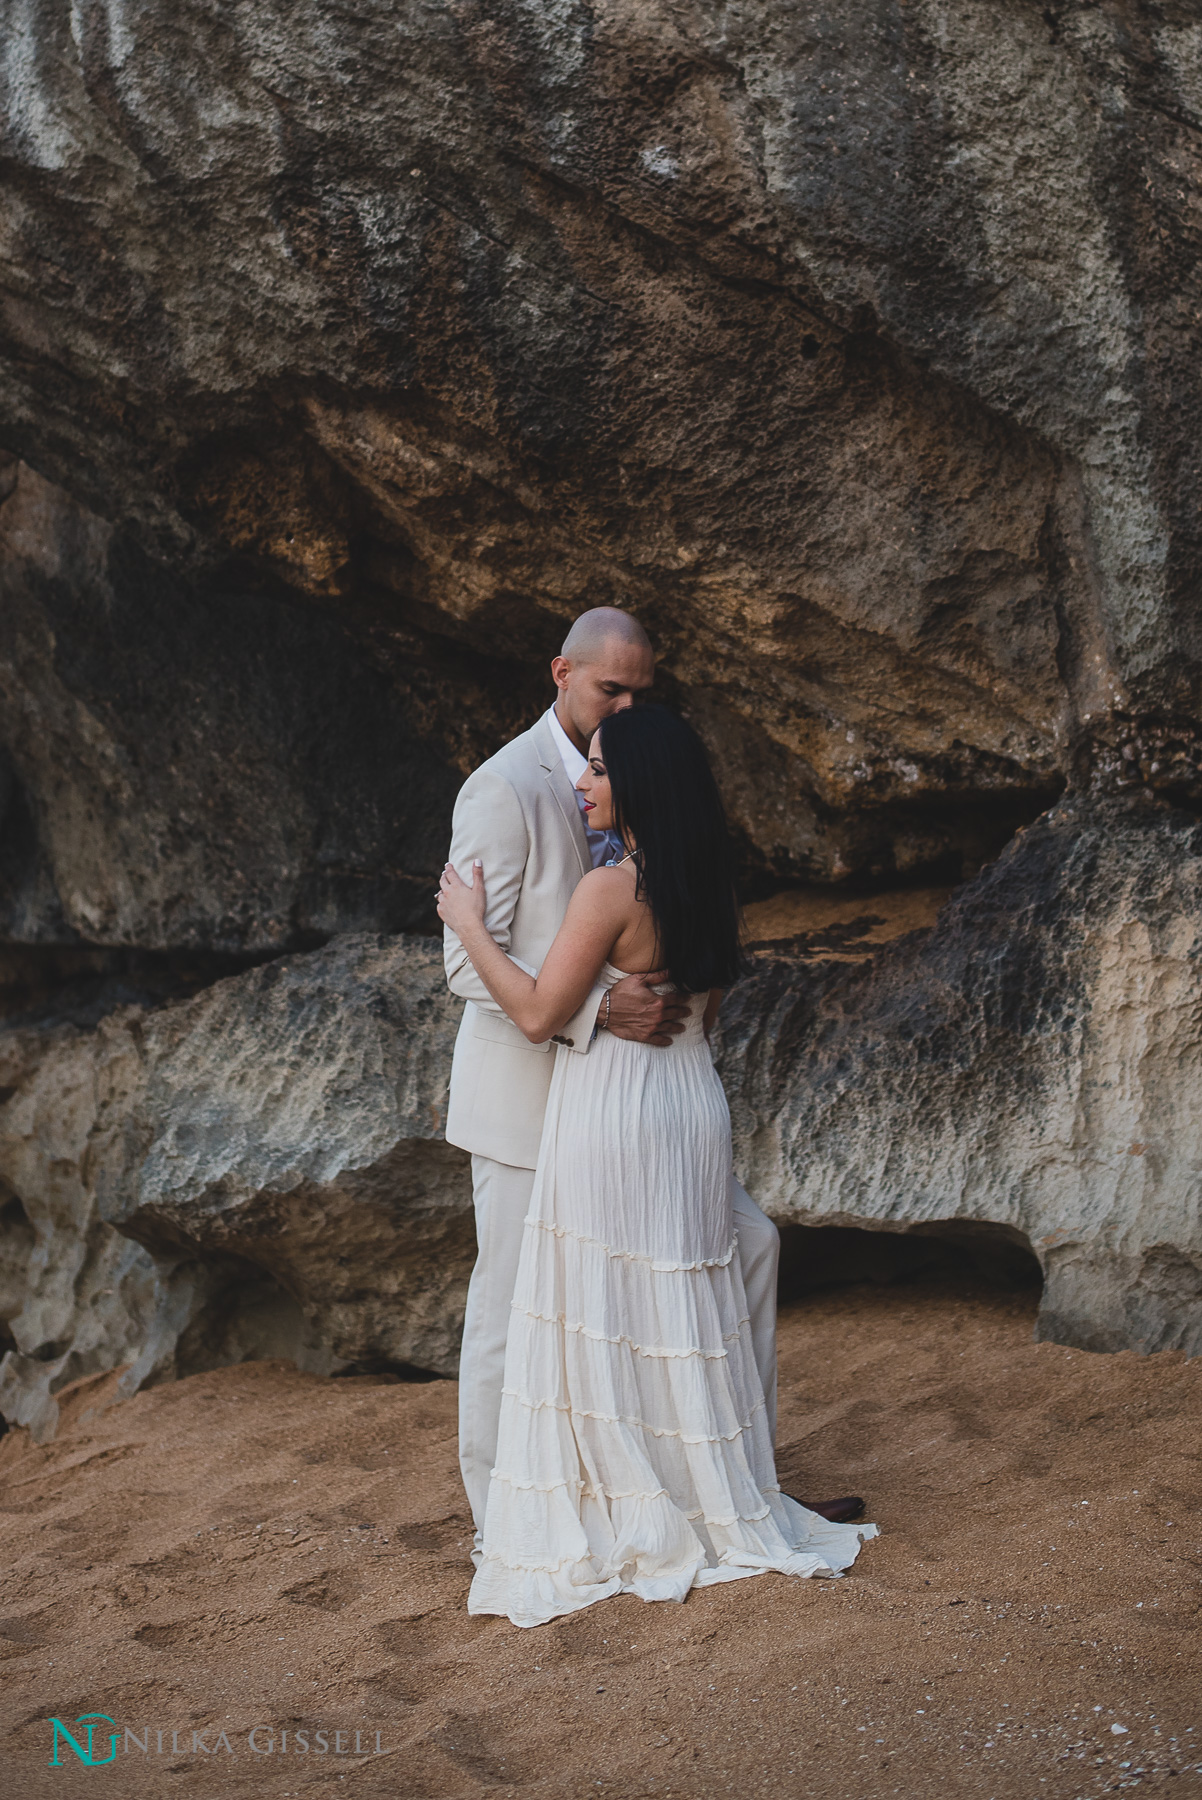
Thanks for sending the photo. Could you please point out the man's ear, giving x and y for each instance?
(561, 668)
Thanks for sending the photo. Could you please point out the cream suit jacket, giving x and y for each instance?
(518, 814)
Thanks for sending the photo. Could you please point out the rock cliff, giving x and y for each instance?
(1026, 1070)
(345, 355)
(256, 1171)
(1019, 1079)
(287, 1124)
(853, 349)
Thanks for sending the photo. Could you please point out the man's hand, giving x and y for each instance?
(646, 1018)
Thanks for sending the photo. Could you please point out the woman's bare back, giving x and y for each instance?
(635, 950)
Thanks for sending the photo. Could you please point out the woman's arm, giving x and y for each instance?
(539, 1006)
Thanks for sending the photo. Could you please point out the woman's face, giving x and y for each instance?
(594, 785)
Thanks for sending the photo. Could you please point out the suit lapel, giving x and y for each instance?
(564, 792)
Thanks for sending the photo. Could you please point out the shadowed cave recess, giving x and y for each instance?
(857, 359)
(817, 1257)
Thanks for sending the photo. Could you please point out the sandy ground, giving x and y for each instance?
(257, 1547)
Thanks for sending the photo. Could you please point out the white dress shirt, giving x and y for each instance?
(602, 845)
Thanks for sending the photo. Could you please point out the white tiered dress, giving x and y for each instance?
(633, 1453)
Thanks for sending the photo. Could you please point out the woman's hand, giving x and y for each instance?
(460, 906)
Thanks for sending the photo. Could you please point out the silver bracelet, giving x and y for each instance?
(605, 1021)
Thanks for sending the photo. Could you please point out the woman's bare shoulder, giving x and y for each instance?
(606, 887)
(607, 893)
(601, 906)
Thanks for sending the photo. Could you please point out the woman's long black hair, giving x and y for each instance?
(666, 798)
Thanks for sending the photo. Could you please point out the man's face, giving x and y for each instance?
(607, 683)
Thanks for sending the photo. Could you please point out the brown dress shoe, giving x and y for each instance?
(839, 1512)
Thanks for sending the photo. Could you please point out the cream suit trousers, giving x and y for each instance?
(502, 1198)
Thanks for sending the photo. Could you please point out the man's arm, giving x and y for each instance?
(489, 823)
(634, 1011)
(581, 1028)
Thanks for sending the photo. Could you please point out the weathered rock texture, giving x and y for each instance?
(1020, 1078)
(75, 1298)
(191, 767)
(852, 347)
(1031, 1067)
(289, 1122)
(347, 353)
(273, 1149)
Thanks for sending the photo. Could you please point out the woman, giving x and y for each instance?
(634, 1453)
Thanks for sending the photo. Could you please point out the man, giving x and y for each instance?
(520, 815)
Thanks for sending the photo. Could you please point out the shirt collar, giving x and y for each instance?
(573, 763)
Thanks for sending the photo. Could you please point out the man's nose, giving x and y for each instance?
(623, 701)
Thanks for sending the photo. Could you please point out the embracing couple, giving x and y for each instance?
(618, 1373)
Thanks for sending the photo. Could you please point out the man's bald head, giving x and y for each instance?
(606, 660)
(600, 626)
